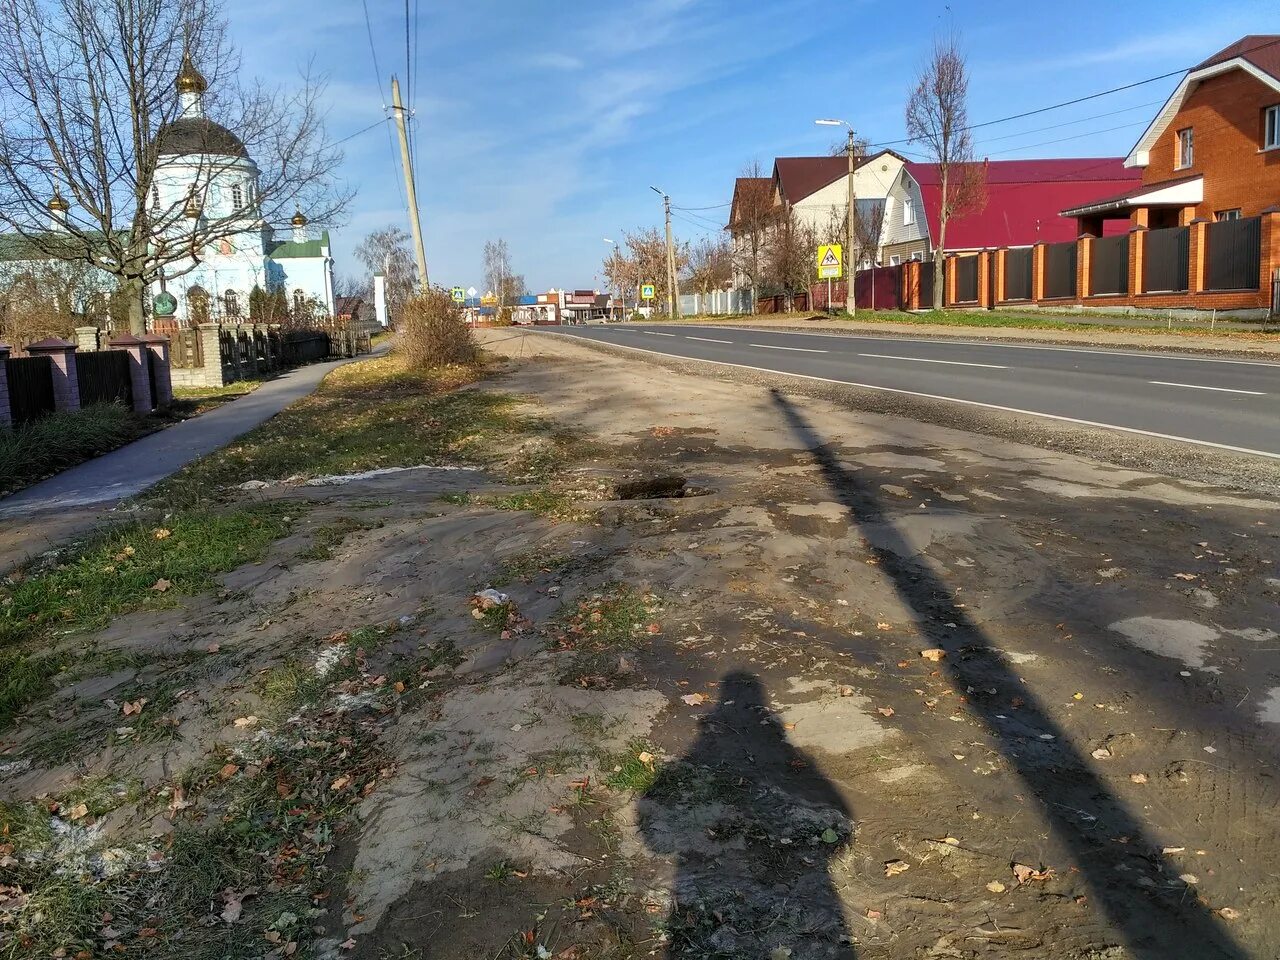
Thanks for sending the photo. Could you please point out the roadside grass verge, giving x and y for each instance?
(373, 414)
(193, 401)
(543, 502)
(33, 451)
(135, 566)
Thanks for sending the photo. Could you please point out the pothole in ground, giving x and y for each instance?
(632, 486)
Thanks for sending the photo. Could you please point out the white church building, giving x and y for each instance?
(204, 169)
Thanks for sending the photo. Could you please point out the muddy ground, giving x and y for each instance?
(872, 689)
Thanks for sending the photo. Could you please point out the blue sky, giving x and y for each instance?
(545, 123)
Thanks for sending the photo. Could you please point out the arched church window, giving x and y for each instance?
(155, 197)
(299, 303)
(231, 304)
(237, 197)
(197, 305)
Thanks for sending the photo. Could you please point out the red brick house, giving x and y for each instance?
(1200, 232)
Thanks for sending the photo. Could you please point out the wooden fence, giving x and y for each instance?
(103, 377)
(30, 387)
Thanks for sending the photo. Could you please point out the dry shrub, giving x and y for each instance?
(431, 331)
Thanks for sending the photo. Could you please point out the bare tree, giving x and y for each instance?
(387, 252)
(644, 261)
(710, 264)
(938, 118)
(497, 268)
(790, 267)
(89, 115)
(753, 217)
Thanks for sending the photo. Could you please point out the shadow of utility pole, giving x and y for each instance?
(1164, 921)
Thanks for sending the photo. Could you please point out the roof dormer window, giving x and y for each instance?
(1186, 148)
(1271, 128)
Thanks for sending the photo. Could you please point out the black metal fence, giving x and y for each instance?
(1109, 266)
(926, 285)
(30, 387)
(966, 279)
(1166, 257)
(305, 347)
(1060, 270)
(103, 377)
(1017, 274)
(1233, 257)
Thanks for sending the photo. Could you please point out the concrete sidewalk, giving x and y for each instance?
(31, 520)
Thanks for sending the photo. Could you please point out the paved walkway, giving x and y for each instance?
(66, 504)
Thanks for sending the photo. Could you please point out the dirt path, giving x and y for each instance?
(872, 689)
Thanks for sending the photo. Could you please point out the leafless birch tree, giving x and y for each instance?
(938, 119)
(87, 88)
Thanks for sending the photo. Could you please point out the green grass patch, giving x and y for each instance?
(617, 618)
(326, 538)
(369, 415)
(629, 772)
(130, 567)
(54, 443)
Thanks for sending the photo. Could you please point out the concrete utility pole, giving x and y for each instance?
(673, 283)
(850, 263)
(412, 193)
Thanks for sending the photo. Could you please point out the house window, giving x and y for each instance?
(1271, 128)
(237, 198)
(908, 212)
(1186, 152)
(1228, 214)
(895, 260)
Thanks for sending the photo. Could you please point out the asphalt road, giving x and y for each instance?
(1224, 403)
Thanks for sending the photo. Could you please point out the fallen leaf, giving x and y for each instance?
(161, 585)
(134, 708)
(1173, 849)
(78, 812)
(1077, 696)
(1138, 777)
(885, 711)
(341, 783)
(933, 653)
(1026, 874)
(244, 723)
(213, 648)
(894, 867)
(1229, 913)
(234, 906)
(695, 699)
(398, 686)
(884, 626)
(348, 944)
(829, 835)
(874, 914)
(780, 953)
(846, 691)
(1102, 753)
(228, 771)
(160, 533)
(646, 758)
(1185, 576)
(995, 886)
(1189, 878)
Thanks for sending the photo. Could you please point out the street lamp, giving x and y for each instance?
(622, 299)
(850, 305)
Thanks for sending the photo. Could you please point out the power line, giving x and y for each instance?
(1068, 123)
(1078, 136)
(377, 79)
(375, 123)
(1092, 96)
(714, 206)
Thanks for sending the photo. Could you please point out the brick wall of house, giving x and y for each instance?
(1226, 114)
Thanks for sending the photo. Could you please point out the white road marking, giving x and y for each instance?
(969, 403)
(1054, 348)
(708, 340)
(655, 333)
(954, 363)
(1196, 386)
(774, 346)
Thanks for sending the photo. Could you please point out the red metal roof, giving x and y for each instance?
(1024, 199)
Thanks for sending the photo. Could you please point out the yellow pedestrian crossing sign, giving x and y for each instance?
(830, 262)
(458, 294)
(647, 291)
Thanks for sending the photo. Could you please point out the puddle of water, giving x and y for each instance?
(1183, 640)
(1269, 709)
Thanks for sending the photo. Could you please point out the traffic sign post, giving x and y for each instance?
(647, 291)
(830, 266)
(458, 294)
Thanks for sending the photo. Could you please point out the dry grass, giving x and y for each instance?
(433, 333)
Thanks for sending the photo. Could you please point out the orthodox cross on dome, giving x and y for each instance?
(191, 86)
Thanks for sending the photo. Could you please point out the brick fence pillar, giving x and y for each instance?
(158, 347)
(1038, 257)
(1084, 250)
(1137, 259)
(1269, 261)
(87, 339)
(139, 375)
(62, 361)
(6, 414)
(213, 373)
(1001, 267)
(948, 280)
(1196, 256)
(985, 258)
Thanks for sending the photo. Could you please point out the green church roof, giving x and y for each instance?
(17, 247)
(291, 249)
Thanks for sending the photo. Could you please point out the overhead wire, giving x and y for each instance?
(377, 77)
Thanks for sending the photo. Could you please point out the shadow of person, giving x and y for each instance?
(753, 826)
(1157, 915)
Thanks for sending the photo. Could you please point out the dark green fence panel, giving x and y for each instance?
(30, 387)
(1017, 274)
(1109, 266)
(103, 376)
(1166, 256)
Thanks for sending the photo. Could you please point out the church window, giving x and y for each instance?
(237, 198)
(155, 198)
(299, 304)
(231, 304)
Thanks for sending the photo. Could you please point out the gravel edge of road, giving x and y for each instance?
(939, 332)
(1181, 461)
